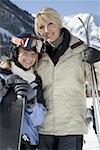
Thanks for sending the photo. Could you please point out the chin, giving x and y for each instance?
(28, 67)
(50, 41)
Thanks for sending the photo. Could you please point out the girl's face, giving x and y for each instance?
(27, 58)
(49, 31)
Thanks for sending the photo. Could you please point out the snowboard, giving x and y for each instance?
(11, 120)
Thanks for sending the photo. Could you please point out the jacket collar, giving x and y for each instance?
(61, 46)
(65, 47)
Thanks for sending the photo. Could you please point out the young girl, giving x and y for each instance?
(20, 74)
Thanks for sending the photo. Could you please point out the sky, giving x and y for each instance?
(64, 7)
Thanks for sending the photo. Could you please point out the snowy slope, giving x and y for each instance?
(74, 25)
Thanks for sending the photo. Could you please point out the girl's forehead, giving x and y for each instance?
(22, 50)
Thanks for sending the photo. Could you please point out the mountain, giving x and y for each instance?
(75, 26)
(13, 20)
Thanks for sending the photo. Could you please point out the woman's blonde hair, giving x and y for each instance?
(47, 14)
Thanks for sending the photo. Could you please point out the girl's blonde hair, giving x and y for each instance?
(5, 64)
(47, 15)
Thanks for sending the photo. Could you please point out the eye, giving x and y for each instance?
(25, 53)
(41, 27)
(33, 54)
(50, 23)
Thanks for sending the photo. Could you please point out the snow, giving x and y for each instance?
(91, 141)
(33, 15)
(74, 25)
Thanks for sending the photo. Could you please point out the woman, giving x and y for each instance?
(63, 74)
(18, 77)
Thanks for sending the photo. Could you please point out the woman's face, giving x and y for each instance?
(49, 31)
(27, 58)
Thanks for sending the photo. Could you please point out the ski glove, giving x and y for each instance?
(92, 55)
(22, 87)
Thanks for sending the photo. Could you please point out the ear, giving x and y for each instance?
(15, 54)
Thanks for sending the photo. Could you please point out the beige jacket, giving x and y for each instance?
(64, 92)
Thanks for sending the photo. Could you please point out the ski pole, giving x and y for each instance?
(96, 102)
(21, 100)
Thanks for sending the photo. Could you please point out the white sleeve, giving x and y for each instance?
(97, 70)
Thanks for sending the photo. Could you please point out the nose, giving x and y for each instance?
(46, 29)
(30, 56)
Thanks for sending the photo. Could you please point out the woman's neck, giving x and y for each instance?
(58, 41)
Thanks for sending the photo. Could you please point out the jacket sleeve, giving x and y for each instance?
(3, 87)
(97, 70)
(40, 98)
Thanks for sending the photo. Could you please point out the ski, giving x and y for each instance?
(95, 94)
(96, 102)
(11, 122)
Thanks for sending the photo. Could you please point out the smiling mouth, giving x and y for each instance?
(49, 37)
